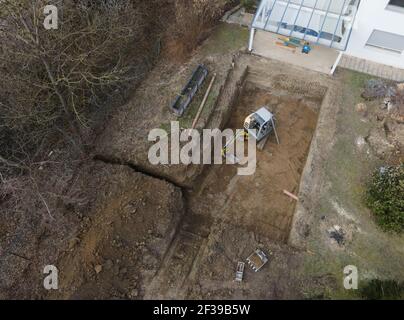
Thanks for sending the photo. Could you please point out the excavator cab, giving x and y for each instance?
(260, 124)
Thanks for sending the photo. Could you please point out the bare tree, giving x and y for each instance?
(51, 82)
(192, 18)
(54, 76)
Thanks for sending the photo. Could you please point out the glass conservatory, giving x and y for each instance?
(325, 22)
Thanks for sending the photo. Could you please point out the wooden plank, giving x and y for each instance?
(291, 195)
(282, 45)
(205, 98)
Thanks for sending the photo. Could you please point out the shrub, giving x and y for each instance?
(192, 19)
(248, 5)
(377, 289)
(385, 197)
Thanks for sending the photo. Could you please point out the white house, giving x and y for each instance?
(368, 29)
(378, 33)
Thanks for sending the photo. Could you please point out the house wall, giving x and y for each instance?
(373, 15)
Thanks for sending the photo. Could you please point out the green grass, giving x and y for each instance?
(166, 127)
(376, 289)
(356, 82)
(346, 171)
(226, 38)
(347, 167)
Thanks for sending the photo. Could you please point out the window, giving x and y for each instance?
(387, 41)
(396, 5)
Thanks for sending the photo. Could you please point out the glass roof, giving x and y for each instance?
(326, 22)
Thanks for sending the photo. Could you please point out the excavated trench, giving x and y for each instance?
(257, 202)
(214, 195)
(139, 169)
(254, 203)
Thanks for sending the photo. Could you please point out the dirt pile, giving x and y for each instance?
(133, 219)
(385, 100)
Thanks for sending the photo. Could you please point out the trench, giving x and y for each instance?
(255, 204)
(139, 169)
(258, 202)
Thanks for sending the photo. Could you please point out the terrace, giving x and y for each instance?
(324, 22)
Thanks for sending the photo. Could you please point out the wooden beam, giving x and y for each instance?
(291, 195)
(205, 98)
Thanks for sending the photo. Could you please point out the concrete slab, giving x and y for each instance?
(320, 59)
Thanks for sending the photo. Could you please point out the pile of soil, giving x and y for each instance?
(134, 218)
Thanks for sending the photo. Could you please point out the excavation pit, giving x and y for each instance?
(257, 202)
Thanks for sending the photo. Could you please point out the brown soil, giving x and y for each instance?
(134, 218)
(228, 216)
(126, 136)
(141, 238)
(257, 202)
(176, 51)
(130, 235)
